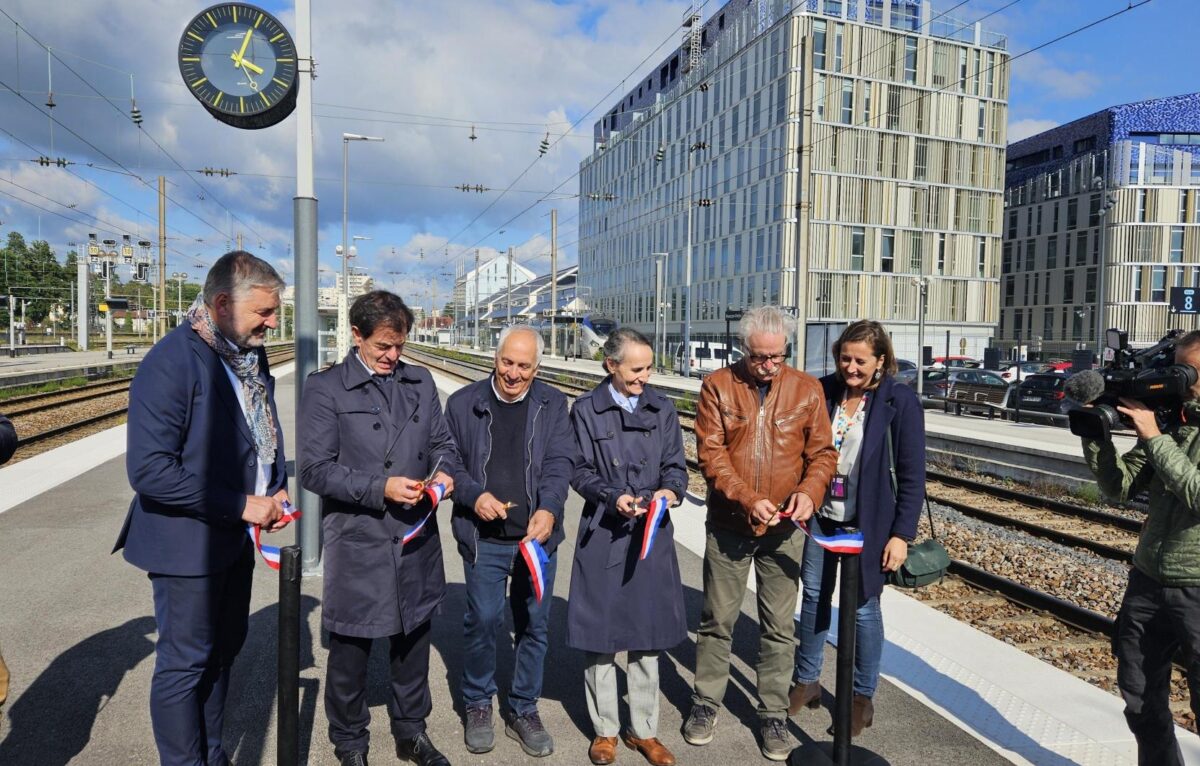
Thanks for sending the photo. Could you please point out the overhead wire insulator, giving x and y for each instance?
(661, 153)
(472, 136)
(544, 146)
(135, 114)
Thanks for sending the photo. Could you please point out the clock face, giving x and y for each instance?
(240, 63)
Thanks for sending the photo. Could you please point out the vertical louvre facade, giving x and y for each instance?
(854, 141)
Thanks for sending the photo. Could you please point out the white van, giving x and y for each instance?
(707, 357)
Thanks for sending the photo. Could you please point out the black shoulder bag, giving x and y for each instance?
(927, 560)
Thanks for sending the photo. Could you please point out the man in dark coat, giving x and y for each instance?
(8, 445)
(518, 453)
(371, 431)
(205, 458)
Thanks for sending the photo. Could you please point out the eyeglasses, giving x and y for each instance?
(761, 359)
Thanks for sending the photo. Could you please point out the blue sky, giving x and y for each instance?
(421, 75)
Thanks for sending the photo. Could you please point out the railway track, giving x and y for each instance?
(47, 420)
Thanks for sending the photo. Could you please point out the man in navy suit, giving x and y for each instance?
(205, 459)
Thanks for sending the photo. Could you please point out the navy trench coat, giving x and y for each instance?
(618, 603)
(881, 513)
(348, 444)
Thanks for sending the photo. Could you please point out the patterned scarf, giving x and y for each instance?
(245, 367)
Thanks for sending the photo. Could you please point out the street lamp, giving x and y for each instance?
(343, 339)
(1108, 201)
(659, 258)
(179, 277)
(922, 284)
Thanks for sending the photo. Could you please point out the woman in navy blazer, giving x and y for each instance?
(865, 404)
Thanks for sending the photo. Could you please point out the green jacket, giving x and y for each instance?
(1169, 545)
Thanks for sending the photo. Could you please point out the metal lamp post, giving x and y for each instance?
(922, 284)
(1107, 202)
(343, 339)
(179, 278)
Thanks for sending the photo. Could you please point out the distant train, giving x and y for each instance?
(580, 336)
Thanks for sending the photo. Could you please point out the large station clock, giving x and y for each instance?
(240, 63)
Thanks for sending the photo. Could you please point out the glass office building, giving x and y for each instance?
(829, 155)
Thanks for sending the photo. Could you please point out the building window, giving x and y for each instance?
(1085, 145)
(887, 251)
(910, 60)
(920, 158)
(848, 103)
(1006, 258)
(1158, 284)
(1094, 211)
(866, 118)
(858, 237)
(1052, 253)
(838, 44)
(819, 95)
(1176, 244)
(1009, 284)
(1183, 205)
(819, 44)
(1089, 291)
(1012, 224)
(1054, 228)
(915, 264)
(1068, 287)
(1140, 214)
(1136, 293)
(893, 109)
(1072, 213)
(981, 251)
(962, 70)
(941, 253)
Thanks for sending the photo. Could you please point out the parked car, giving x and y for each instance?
(956, 361)
(1009, 373)
(1059, 365)
(958, 384)
(904, 364)
(1044, 392)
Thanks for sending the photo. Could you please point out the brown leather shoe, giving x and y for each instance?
(804, 695)
(603, 750)
(862, 713)
(656, 753)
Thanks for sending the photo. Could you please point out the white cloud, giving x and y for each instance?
(1022, 129)
(516, 70)
(1039, 71)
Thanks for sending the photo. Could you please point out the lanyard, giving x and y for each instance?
(842, 423)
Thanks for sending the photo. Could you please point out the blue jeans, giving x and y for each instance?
(817, 574)
(486, 578)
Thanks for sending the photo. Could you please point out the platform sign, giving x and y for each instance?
(1185, 300)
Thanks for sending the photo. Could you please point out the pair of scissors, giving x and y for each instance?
(429, 480)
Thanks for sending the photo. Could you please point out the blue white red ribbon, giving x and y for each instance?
(842, 540)
(270, 553)
(654, 517)
(536, 559)
(435, 493)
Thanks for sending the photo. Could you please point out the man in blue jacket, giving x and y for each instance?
(518, 453)
(205, 459)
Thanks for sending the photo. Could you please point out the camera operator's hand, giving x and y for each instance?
(1142, 418)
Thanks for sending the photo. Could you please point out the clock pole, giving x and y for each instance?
(304, 207)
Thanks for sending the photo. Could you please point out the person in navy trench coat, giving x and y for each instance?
(888, 519)
(371, 430)
(632, 451)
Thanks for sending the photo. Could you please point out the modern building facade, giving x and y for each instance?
(826, 155)
(1101, 222)
(487, 279)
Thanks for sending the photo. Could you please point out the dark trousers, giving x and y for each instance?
(202, 624)
(1154, 623)
(346, 688)
(487, 578)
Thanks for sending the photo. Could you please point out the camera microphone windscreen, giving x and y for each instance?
(1085, 387)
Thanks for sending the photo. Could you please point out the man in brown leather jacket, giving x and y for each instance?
(765, 446)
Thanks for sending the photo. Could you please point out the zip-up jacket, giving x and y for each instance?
(549, 459)
(752, 448)
(1168, 548)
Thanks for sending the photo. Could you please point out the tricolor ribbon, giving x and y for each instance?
(654, 517)
(435, 493)
(270, 553)
(845, 541)
(536, 559)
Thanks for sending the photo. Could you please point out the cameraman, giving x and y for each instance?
(1161, 608)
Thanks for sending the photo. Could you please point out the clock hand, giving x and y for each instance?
(248, 65)
(237, 58)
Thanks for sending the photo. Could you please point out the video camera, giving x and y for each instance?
(1149, 375)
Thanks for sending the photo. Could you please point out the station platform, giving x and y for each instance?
(77, 631)
(25, 366)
